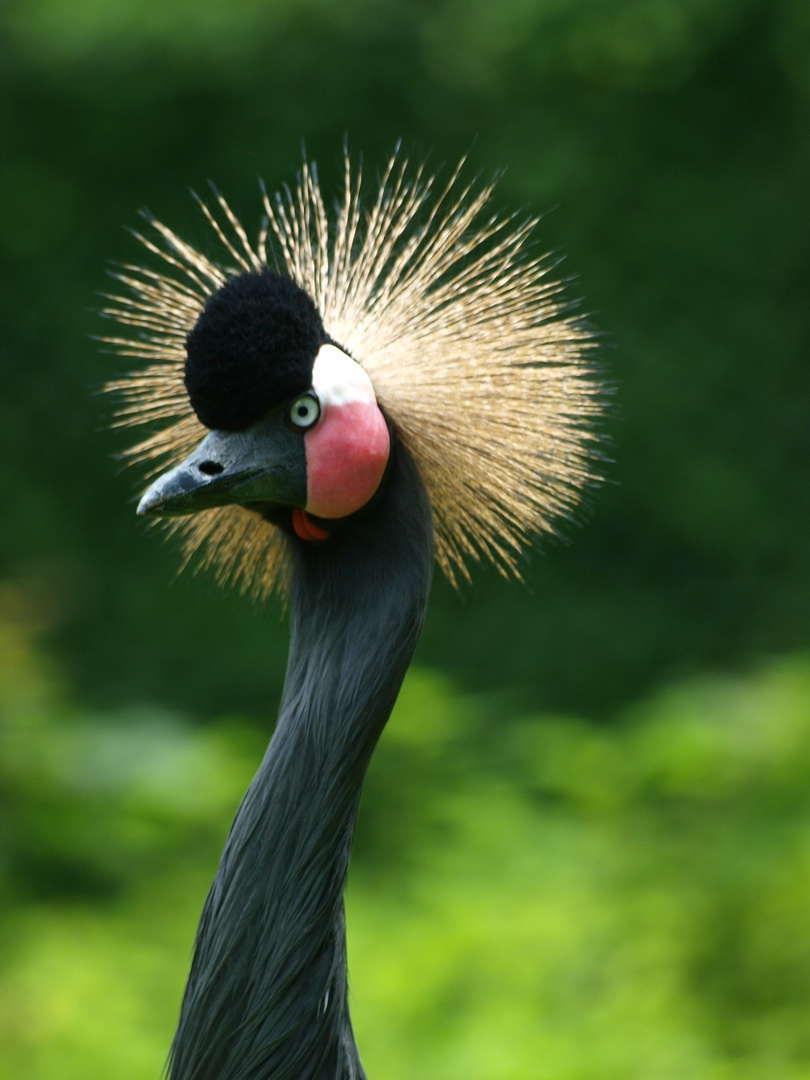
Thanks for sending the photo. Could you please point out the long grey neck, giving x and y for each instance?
(266, 998)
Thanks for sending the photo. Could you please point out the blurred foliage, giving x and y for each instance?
(535, 893)
(547, 898)
(672, 136)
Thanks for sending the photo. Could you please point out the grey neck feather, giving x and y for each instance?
(267, 996)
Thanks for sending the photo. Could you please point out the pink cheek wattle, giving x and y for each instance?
(347, 453)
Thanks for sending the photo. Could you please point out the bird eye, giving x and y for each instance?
(305, 411)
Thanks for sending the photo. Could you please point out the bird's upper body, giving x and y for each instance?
(409, 385)
(309, 449)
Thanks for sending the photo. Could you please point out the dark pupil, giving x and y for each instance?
(303, 410)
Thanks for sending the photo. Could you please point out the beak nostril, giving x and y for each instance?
(211, 468)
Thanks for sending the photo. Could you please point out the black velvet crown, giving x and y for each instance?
(252, 347)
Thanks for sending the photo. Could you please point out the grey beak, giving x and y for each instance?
(264, 464)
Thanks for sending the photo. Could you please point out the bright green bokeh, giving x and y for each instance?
(558, 901)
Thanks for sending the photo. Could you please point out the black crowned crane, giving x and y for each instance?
(334, 407)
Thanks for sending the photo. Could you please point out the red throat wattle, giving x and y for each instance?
(305, 528)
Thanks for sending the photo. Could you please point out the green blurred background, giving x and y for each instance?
(585, 844)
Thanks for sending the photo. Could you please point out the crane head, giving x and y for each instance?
(293, 420)
(421, 314)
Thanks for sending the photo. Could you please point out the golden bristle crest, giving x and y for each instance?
(467, 341)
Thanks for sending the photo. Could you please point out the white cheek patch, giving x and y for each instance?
(339, 380)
